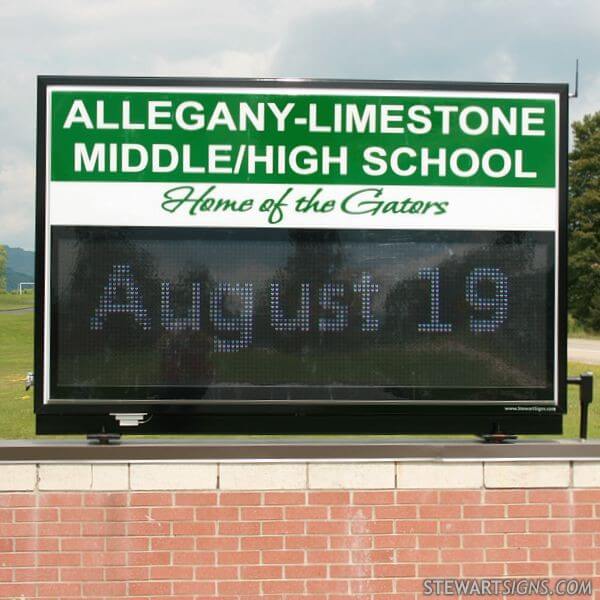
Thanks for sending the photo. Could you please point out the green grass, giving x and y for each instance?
(16, 405)
(10, 301)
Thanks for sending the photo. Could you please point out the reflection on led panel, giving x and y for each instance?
(210, 308)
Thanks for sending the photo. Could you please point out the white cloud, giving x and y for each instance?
(489, 40)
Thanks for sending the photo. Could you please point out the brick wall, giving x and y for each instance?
(289, 531)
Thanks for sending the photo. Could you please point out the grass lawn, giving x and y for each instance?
(16, 405)
(12, 301)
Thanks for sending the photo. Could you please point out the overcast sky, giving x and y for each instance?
(485, 40)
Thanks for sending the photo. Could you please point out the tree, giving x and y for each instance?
(584, 222)
(3, 261)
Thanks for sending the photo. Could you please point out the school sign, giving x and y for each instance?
(306, 226)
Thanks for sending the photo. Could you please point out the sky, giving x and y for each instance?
(460, 40)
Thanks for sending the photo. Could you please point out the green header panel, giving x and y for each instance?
(269, 137)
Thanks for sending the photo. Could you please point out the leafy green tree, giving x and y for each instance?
(3, 261)
(584, 222)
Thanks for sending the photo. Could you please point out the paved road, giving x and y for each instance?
(587, 351)
(17, 311)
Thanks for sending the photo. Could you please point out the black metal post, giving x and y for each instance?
(586, 394)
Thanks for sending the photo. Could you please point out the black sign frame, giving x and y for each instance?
(262, 417)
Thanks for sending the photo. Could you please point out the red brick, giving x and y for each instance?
(206, 588)
(373, 586)
(217, 543)
(305, 571)
(58, 589)
(81, 574)
(59, 529)
(488, 569)
(373, 498)
(148, 558)
(195, 528)
(283, 557)
(528, 569)
(509, 554)
(238, 587)
(36, 544)
(358, 527)
(505, 526)
(262, 513)
(129, 543)
(105, 499)
(395, 570)
(213, 572)
(350, 571)
(417, 555)
(441, 570)
(328, 527)
(352, 512)
(217, 513)
(396, 541)
(573, 569)
(35, 515)
(585, 525)
(580, 496)
(13, 500)
(81, 514)
(351, 541)
(416, 526)
(172, 572)
(572, 510)
(572, 540)
(326, 556)
(551, 525)
(527, 540)
(285, 498)
(239, 528)
(439, 511)
(172, 513)
(18, 559)
(151, 499)
(504, 496)
(12, 530)
(171, 543)
(470, 555)
(306, 512)
(549, 554)
(483, 511)
(147, 528)
(261, 572)
(549, 496)
(438, 541)
(91, 544)
(126, 573)
(460, 497)
(102, 529)
(263, 542)
(460, 526)
(286, 527)
(329, 498)
(58, 559)
(528, 510)
(105, 559)
(326, 586)
(196, 499)
(194, 558)
(148, 588)
(17, 590)
(103, 588)
(60, 499)
(239, 498)
(283, 587)
(483, 541)
(402, 511)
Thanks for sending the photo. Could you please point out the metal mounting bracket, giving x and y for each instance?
(129, 419)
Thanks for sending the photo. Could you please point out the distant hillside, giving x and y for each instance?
(20, 267)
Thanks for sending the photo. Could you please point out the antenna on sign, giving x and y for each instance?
(575, 94)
